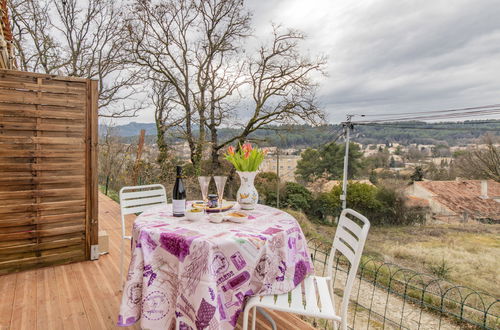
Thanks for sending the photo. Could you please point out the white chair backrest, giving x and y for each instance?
(137, 199)
(349, 240)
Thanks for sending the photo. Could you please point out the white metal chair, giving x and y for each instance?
(137, 199)
(349, 241)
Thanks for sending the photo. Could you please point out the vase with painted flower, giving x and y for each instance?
(246, 160)
(247, 195)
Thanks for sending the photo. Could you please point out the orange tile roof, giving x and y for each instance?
(416, 201)
(465, 196)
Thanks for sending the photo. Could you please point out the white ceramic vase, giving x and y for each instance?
(247, 195)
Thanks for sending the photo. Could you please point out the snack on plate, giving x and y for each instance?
(237, 214)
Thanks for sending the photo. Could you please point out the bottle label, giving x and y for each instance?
(179, 206)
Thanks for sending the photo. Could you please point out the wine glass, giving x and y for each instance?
(220, 182)
(204, 183)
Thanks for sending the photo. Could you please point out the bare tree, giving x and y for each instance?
(167, 117)
(187, 45)
(81, 39)
(196, 48)
(282, 88)
(481, 163)
(112, 154)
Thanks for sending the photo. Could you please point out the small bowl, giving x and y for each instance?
(216, 217)
(194, 214)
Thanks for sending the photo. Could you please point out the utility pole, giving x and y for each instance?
(278, 175)
(347, 126)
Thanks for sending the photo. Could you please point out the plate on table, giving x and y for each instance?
(226, 205)
(233, 216)
(237, 216)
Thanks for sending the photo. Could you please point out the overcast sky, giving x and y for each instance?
(390, 56)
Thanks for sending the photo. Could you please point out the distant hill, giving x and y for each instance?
(299, 136)
(130, 129)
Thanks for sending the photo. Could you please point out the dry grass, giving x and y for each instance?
(463, 254)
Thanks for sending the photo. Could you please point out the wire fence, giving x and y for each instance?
(388, 296)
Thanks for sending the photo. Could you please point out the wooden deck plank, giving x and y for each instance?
(99, 313)
(24, 311)
(71, 305)
(7, 289)
(84, 295)
(47, 300)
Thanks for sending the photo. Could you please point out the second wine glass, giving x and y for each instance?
(220, 182)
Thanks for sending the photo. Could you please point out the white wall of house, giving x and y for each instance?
(436, 207)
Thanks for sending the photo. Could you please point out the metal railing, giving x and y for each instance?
(387, 295)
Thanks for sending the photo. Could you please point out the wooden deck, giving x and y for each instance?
(84, 295)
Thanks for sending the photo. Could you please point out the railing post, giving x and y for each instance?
(106, 187)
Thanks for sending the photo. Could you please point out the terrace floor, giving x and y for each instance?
(84, 295)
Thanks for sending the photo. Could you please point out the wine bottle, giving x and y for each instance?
(179, 195)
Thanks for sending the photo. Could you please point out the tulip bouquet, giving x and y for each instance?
(246, 158)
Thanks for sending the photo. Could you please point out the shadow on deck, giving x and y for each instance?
(84, 295)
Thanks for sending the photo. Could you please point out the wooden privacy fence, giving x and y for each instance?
(48, 170)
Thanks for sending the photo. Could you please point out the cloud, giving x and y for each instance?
(386, 56)
(389, 56)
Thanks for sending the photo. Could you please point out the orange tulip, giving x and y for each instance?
(230, 150)
(247, 147)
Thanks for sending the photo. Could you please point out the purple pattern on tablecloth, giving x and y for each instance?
(175, 244)
(300, 272)
(204, 315)
(148, 242)
(200, 273)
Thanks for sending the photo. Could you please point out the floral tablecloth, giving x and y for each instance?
(199, 273)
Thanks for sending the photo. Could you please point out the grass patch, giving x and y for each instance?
(111, 193)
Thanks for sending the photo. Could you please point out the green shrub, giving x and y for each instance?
(382, 206)
(296, 196)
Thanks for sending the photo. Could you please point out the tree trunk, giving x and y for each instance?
(214, 156)
(162, 145)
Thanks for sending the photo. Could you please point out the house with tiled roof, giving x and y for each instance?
(459, 200)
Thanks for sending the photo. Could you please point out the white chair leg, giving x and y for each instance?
(267, 316)
(245, 317)
(254, 317)
(121, 263)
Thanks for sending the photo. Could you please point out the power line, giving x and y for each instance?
(473, 113)
(382, 125)
(438, 111)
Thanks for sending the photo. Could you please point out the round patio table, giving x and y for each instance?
(196, 275)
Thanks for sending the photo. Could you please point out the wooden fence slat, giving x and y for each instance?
(41, 233)
(55, 258)
(42, 193)
(32, 247)
(41, 140)
(65, 89)
(30, 219)
(9, 110)
(42, 154)
(51, 178)
(28, 97)
(28, 126)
